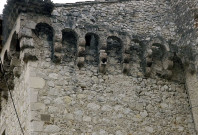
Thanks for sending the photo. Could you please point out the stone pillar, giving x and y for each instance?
(27, 45)
(102, 56)
(57, 47)
(126, 58)
(81, 53)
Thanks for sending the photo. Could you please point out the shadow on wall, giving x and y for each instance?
(92, 49)
(45, 32)
(114, 53)
(69, 45)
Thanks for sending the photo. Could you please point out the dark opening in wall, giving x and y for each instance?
(15, 46)
(178, 70)
(114, 52)
(69, 41)
(7, 76)
(4, 133)
(6, 62)
(45, 33)
(92, 54)
(196, 21)
(158, 51)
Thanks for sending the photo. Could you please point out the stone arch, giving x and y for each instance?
(156, 52)
(159, 42)
(134, 55)
(92, 48)
(178, 71)
(114, 52)
(69, 44)
(46, 33)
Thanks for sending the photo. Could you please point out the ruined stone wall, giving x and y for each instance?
(100, 68)
(73, 97)
(14, 75)
(21, 96)
(185, 18)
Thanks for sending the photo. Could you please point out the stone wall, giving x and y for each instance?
(100, 68)
(187, 39)
(85, 102)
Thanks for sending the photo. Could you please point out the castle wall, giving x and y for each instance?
(187, 39)
(20, 92)
(84, 101)
(139, 18)
(61, 89)
(21, 97)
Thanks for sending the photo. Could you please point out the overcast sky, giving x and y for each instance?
(3, 2)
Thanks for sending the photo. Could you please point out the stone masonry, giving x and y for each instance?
(107, 67)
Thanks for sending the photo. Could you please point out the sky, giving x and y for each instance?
(3, 2)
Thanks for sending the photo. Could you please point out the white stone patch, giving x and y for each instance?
(53, 76)
(144, 114)
(149, 129)
(106, 108)
(36, 82)
(37, 126)
(86, 118)
(52, 129)
(93, 106)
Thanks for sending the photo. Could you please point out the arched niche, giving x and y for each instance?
(91, 48)
(156, 56)
(114, 52)
(15, 46)
(178, 71)
(69, 47)
(158, 50)
(45, 34)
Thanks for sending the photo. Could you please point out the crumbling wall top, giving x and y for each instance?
(88, 3)
(15, 7)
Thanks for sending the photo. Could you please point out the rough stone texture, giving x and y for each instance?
(103, 67)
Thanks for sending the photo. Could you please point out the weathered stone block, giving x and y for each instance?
(147, 71)
(26, 43)
(102, 68)
(52, 129)
(126, 68)
(103, 56)
(37, 106)
(17, 71)
(82, 43)
(167, 64)
(36, 82)
(25, 32)
(80, 62)
(93, 106)
(45, 117)
(53, 76)
(57, 57)
(57, 47)
(81, 51)
(36, 126)
(30, 24)
(127, 58)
